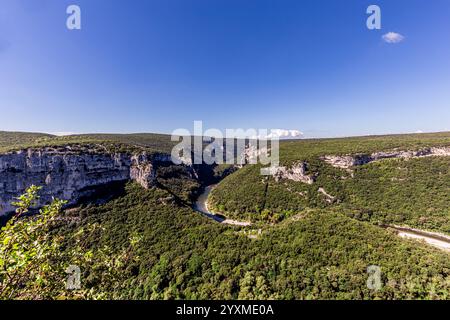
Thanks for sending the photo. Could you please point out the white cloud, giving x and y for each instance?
(393, 37)
(280, 134)
(62, 134)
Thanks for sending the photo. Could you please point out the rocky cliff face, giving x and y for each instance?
(346, 162)
(69, 173)
(296, 173)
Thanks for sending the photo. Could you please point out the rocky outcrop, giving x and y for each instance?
(71, 173)
(296, 173)
(143, 171)
(328, 197)
(251, 154)
(348, 161)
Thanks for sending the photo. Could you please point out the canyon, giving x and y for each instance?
(72, 173)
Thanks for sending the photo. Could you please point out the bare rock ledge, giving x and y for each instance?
(348, 161)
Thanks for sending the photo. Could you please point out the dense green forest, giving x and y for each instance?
(414, 192)
(151, 244)
(166, 251)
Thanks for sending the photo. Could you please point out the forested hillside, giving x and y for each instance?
(149, 141)
(151, 244)
(167, 251)
(415, 191)
(12, 140)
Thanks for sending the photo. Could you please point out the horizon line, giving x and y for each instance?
(304, 137)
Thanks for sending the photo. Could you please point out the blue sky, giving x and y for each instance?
(158, 65)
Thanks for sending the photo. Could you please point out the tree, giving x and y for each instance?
(34, 261)
(30, 267)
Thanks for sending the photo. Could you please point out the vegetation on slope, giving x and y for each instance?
(172, 252)
(414, 192)
(10, 141)
(150, 244)
(13, 140)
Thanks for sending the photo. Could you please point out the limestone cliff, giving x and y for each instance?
(348, 161)
(71, 173)
(296, 173)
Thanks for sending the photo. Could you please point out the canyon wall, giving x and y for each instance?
(296, 173)
(348, 161)
(71, 174)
